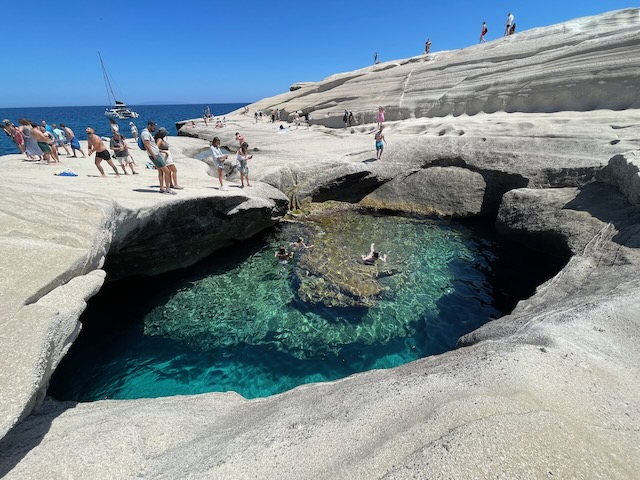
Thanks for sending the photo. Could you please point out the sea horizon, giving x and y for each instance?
(78, 118)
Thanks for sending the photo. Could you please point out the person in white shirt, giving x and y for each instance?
(218, 159)
(507, 25)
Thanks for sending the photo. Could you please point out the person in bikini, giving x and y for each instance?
(97, 145)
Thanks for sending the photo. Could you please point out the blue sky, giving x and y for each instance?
(199, 51)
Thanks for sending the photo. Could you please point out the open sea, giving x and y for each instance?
(79, 118)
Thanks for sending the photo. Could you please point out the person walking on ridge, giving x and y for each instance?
(508, 23)
(427, 46)
(483, 32)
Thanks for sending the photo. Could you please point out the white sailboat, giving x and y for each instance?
(119, 109)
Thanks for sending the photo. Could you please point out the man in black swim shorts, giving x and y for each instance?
(97, 145)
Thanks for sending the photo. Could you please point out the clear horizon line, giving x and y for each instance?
(133, 105)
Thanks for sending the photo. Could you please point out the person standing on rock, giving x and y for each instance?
(427, 46)
(380, 141)
(242, 158)
(164, 176)
(508, 23)
(134, 131)
(97, 145)
(218, 159)
(483, 32)
(73, 141)
(380, 116)
(119, 147)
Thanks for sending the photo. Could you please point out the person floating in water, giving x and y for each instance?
(373, 256)
(299, 243)
(283, 256)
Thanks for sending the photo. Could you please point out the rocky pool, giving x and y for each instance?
(240, 321)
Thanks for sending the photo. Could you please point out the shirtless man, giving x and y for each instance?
(97, 145)
(73, 141)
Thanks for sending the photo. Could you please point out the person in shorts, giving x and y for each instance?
(97, 145)
(218, 159)
(134, 131)
(164, 176)
(380, 141)
(119, 147)
(61, 138)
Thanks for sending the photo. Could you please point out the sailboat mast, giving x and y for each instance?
(107, 83)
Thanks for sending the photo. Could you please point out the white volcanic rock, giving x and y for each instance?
(550, 391)
(585, 64)
(56, 232)
(428, 192)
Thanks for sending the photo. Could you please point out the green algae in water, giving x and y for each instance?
(241, 322)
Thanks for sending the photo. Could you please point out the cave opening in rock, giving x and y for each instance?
(239, 321)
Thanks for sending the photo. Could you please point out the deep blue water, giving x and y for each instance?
(79, 118)
(240, 322)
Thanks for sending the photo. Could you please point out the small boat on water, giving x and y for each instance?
(119, 109)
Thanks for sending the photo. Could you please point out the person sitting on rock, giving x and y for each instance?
(299, 243)
(373, 256)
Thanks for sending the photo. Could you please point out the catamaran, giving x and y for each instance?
(119, 109)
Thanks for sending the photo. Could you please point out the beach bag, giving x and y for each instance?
(141, 144)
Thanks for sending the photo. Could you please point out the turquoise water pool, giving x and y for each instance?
(242, 322)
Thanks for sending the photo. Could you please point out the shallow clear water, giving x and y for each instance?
(240, 321)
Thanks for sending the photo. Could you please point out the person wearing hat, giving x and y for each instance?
(97, 145)
(164, 176)
(134, 131)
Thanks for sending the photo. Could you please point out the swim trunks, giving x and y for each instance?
(379, 144)
(104, 155)
(45, 147)
(75, 144)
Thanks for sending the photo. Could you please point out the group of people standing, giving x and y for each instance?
(41, 142)
(242, 158)
(509, 28)
(157, 148)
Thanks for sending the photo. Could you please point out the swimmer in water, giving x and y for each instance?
(300, 243)
(373, 256)
(283, 256)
